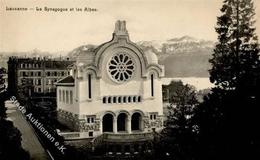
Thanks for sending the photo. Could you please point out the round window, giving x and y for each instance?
(121, 67)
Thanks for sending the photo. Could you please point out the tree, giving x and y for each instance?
(2, 94)
(10, 136)
(235, 61)
(10, 142)
(228, 120)
(179, 134)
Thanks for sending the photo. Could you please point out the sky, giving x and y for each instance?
(22, 31)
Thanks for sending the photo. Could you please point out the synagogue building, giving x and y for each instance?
(114, 89)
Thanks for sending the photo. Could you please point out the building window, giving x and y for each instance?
(59, 95)
(139, 98)
(39, 90)
(90, 134)
(134, 99)
(67, 97)
(153, 116)
(89, 86)
(114, 99)
(152, 85)
(124, 99)
(90, 120)
(48, 74)
(109, 100)
(39, 73)
(119, 99)
(55, 73)
(104, 100)
(121, 67)
(129, 99)
(62, 73)
(71, 97)
(63, 96)
(39, 82)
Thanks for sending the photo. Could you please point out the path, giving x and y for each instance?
(30, 141)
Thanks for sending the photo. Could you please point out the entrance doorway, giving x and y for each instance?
(121, 122)
(136, 122)
(107, 123)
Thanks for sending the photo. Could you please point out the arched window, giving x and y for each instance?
(124, 99)
(107, 123)
(129, 99)
(139, 99)
(109, 100)
(152, 85)
(89, 86)
(136, 122)
(114, 99)
(119, 99)
(104, 99)
(134, 99)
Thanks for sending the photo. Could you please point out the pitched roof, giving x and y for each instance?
(69, 80)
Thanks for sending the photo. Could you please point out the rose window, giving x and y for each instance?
(121, 67)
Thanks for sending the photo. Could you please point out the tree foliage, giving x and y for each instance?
(10, 142)
(10, 136)
(227, 120)
(235, 61)
(2, 94)
(179, 134)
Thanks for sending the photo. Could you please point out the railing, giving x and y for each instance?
(70, 135)
(96, 141)
(128, 137)
(123, 137)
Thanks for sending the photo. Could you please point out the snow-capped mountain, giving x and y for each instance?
(185, 44)
(182, 57)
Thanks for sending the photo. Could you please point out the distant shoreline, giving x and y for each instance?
(199, 83)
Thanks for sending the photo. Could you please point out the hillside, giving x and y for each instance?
(182, 57)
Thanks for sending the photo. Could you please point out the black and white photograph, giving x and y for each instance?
(129, 80)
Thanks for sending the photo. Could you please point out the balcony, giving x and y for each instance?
(125, 137)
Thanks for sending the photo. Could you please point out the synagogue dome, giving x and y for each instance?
(151, 57)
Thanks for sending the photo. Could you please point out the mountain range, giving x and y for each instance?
(182, 57)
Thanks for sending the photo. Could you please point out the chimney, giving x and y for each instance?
(120, 28)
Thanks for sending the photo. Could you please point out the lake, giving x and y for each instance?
(198, 82)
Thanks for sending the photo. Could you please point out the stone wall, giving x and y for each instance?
(69, 119)
(74, 123)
